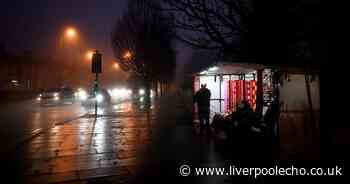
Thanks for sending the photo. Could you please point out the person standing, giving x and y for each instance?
(202, 98)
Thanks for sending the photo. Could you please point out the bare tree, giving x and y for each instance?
(142, 42)
(211, 24)
(247, 28)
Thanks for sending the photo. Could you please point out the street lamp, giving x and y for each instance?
(116, 65)
(89, 55)
(71, 33)
(127, 55)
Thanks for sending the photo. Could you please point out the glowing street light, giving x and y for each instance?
(89, 55)
(71, 33)
(127, 55)
(116, 65)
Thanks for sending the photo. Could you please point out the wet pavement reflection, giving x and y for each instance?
(127, 143)
(21, 119)
(88, 147)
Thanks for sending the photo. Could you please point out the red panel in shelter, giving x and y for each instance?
(236, 91)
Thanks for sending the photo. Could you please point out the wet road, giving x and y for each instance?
(19, 120)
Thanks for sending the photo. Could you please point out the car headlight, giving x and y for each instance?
(82, 95)
(115, 93)
(141, 91)
(129, 91)
(99, 98)
(120, 93)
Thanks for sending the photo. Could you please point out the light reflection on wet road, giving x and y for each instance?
(22, 118)
(126, 145)
(86, 148)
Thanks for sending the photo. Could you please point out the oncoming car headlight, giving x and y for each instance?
(82, 95)
(120, 93)
(141, 92)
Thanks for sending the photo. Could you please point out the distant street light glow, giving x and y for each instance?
(116, 65)
(127, 55)
(71, 33)
(89, 55)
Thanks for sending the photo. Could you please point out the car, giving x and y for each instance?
(56, 96)
(139, 94)
(102, 97)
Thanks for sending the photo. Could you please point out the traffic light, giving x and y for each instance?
(96, 62)
(95, 88)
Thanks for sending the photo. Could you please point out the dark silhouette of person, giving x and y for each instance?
(202, 98)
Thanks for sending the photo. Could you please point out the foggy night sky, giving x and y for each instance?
(37, 25)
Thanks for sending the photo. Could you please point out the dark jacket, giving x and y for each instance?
(202, 98)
